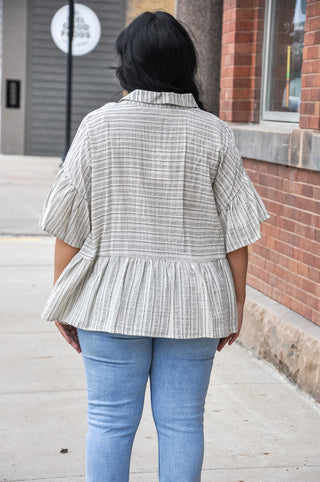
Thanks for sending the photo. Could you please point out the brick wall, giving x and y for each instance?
(241, 60)
(310, 81)
(285, 263)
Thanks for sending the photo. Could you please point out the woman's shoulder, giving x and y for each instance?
(99, 115)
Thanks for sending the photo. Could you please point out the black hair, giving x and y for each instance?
(157, 54)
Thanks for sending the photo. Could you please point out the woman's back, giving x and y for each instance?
(155, 194)
(154, 159)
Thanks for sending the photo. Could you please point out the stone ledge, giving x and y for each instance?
(284, 338)
(279, 143)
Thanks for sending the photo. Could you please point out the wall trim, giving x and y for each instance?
(284, 338)
(279, 143)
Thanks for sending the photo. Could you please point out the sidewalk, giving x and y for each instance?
(258, 427)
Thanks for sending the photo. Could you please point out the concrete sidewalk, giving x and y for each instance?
(258, 427)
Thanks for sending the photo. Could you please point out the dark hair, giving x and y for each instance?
(157, 54)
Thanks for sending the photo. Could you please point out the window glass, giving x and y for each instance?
(284, 65)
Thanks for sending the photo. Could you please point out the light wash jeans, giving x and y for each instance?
(117, 369)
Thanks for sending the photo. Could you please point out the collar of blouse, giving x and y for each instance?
(151, 97)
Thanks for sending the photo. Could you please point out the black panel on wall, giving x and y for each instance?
(93, 83)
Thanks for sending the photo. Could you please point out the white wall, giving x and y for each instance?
(14, 66)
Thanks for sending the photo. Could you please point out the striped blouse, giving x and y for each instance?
(154, 193)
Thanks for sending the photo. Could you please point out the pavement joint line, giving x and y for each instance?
(34, 332)
(28, 332)
(262, 467)
(26, 265)
(36, 392)
(47, 478)
(23, 237)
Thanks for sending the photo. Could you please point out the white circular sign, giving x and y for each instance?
(87, 29)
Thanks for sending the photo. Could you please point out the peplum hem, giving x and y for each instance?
(241, 220)
(145, 297)
(65, 213)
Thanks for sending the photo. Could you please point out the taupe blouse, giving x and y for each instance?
(154, 192)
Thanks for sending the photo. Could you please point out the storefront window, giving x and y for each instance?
(283, 49)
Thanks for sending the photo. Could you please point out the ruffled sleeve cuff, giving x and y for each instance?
(243, 216)
(66, 214)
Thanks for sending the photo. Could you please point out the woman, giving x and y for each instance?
(153, 212)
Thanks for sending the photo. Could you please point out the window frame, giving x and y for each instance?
(266, 115)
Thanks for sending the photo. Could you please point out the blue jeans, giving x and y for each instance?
(117, 369)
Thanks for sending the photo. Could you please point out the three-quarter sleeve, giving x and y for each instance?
(240, 208)
(66, 211)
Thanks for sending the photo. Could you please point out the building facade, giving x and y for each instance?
(270, 95)
(259, 70)
(33, 71)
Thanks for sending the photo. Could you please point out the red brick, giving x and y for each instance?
(307, 190)
(288, 185)
(316, 191)
(226, 104)
(244, 25)
(257, 260)
(227, 84)
(274, 208)
(312, 24)
(229, 14)
(245, 37)
(228, 38)
(301, 309)
(314, 121)
(311, 52)
(269, 180)
(246, 4)
(308, 177)
(311, 260)
(245, 13)
(242, 93)
(312, 301)
(242, 59)
(286, 224)
(309, 245)
(276, 293)
(303, 270)
(259, 285)
(242, 71)
(227, 60)
(305, 231)
(226, 72)
(240, 116)
(314, 274)
(290, 263)
(283, 248)
(241, 105)
(305, 203)
(286, 300)
(307, 108)
(227, 49)
(313, 10)
(290, 238)
(316, 317)
(308, 39)
(244, 49)
(315, 65)
(229, 4)
(304, 122)
(306, 93)
(229, 27)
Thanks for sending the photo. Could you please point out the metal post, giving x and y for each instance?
(69, 80)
